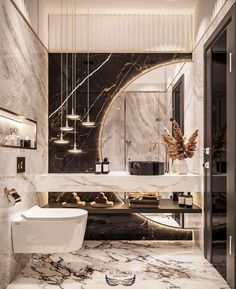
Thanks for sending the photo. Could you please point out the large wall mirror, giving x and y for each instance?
(138, 115)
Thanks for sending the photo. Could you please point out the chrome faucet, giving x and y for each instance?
(167, 158)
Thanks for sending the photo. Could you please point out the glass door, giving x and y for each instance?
(219, 154)
(220, 147)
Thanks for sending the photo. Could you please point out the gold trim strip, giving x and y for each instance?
(99, 142)
(28, 24)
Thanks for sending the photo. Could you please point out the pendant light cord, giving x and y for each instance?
(61, 72)
(73, 69)
(88, 83)
(67, 71)
(88, 71)
(75, 49)
(72, 59)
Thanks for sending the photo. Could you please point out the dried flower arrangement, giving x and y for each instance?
(219, 143)
(178, 147)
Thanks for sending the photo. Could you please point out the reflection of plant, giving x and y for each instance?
(219, 142)
(177, 146)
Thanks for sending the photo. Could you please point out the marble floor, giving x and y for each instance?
(162, 265)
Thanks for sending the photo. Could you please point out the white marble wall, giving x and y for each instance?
(23, 89)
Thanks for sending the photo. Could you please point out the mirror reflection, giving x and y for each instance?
(138, 116)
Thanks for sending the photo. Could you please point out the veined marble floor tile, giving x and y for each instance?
(157, 265)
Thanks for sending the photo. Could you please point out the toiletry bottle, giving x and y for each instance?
(181, 199)
(98, 167)
(175, 196)
(189, 201)
(105, 166)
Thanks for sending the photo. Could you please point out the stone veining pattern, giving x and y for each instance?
(166, 265)
(118, 182)
(23, 89)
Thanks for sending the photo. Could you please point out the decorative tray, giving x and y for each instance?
(72, 205)
(102, 205)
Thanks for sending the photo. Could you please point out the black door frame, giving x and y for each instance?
(228, 22)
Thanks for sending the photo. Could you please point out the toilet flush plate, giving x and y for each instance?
(20, 165)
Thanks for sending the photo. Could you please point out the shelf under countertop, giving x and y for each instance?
(165, 206)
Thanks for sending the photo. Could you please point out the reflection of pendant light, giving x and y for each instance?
(61, 140)
(88, 123)
(73, 115)
(66, 128)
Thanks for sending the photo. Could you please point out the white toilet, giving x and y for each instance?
(47, 231)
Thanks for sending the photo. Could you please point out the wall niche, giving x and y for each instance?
(17, 131)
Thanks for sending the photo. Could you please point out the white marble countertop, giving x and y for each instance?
(117, 181)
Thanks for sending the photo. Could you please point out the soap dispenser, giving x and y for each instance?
(98, 167)
(105, 166)
(189, 201)
(181, 199)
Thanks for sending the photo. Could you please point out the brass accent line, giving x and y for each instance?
(123, 89)
(28, 24)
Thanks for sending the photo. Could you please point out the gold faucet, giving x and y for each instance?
(167, 158)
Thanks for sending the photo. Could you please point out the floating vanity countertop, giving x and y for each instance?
(117, 181)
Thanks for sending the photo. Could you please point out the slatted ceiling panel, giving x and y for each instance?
(124, 32)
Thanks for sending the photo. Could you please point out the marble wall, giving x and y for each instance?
(23, 89)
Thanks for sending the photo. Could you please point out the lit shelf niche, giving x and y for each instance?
(17, 131)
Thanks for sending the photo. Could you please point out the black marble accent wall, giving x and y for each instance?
(115, 72)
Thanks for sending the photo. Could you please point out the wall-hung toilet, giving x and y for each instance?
(46, 231)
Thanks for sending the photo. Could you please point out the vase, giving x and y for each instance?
(179, 167)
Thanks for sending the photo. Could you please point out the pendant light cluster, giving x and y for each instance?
(72, 116)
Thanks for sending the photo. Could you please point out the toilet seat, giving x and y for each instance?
(39, 214)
